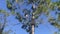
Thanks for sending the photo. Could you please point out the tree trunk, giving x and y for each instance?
(32, 29)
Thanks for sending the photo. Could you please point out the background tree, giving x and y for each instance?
(56, 21)
(3, 21)
(29, 18)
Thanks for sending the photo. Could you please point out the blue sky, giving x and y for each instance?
(45, 28)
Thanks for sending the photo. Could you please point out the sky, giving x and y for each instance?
(45, 28)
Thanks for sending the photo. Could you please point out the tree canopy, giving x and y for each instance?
(38, 8)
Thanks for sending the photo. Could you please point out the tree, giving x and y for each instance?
(29, 17)
(3, 21)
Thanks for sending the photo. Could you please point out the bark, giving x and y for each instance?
(32, 29)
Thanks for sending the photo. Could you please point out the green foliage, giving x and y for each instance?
(32, 1)
(58, 17)
(51, 6)
(9, 5)
(43, 7)
(55, 22)
(19, 17)
(59, 8)
(4, 15)
(48, 1)
(57, 4)
(19, 1)
(4, 12)
(13, 12)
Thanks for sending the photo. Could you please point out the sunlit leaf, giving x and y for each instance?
(48, 1)
(19, 1)
(51, 6)
(4, 12)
